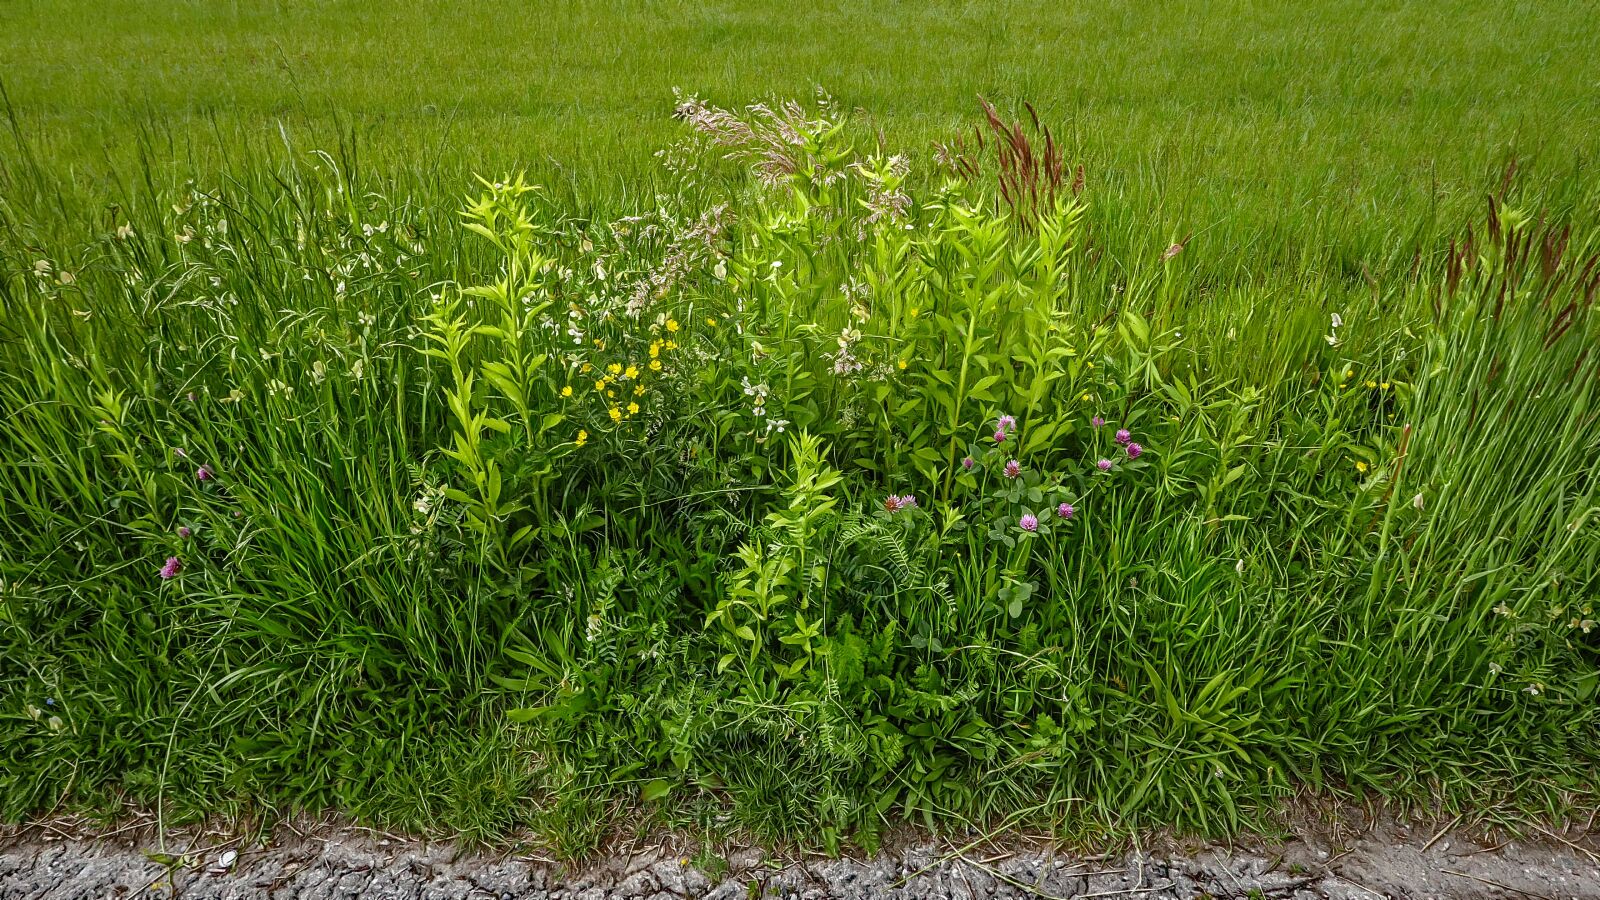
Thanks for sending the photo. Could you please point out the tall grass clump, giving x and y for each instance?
(858, 490)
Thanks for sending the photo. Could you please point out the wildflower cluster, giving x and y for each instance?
(893, 487)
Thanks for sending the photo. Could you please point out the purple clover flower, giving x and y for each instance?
(892, 503)
(184, 531)
(1065, 511)
(999, 437)
(1029, 522)
(204, 473)
(909, 501)
(1007, 423)
(1134, 450)
(1104, 465)
(172, 568)
(1123, 436)
(1013, 469)
(1097, 422)
(967, 463)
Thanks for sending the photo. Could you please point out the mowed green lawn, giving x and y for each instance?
(1255, 118)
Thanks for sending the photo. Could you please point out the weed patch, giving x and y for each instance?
(869, 487)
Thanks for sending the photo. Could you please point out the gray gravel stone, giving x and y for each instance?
(349, 864)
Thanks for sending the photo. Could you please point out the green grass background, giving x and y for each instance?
(1256, 113)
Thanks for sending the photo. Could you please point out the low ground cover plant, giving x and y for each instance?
(872, 486)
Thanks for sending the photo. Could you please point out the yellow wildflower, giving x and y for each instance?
(711, 322)
(585, 369)
(633, 409)
(902, 365)
(566, 390)
(638, 390)
(614, 368)
(655, 365)
(600, 385)
(655, 349)
(583, 438)
(1085, 397)
(616, 414)
(633, 372)
(1383, 385)
(1371, 384)
(672, 324)
(1361, 466)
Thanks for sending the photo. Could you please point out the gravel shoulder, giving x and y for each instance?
(343, 862)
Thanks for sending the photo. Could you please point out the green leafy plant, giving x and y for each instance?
(784, 571)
